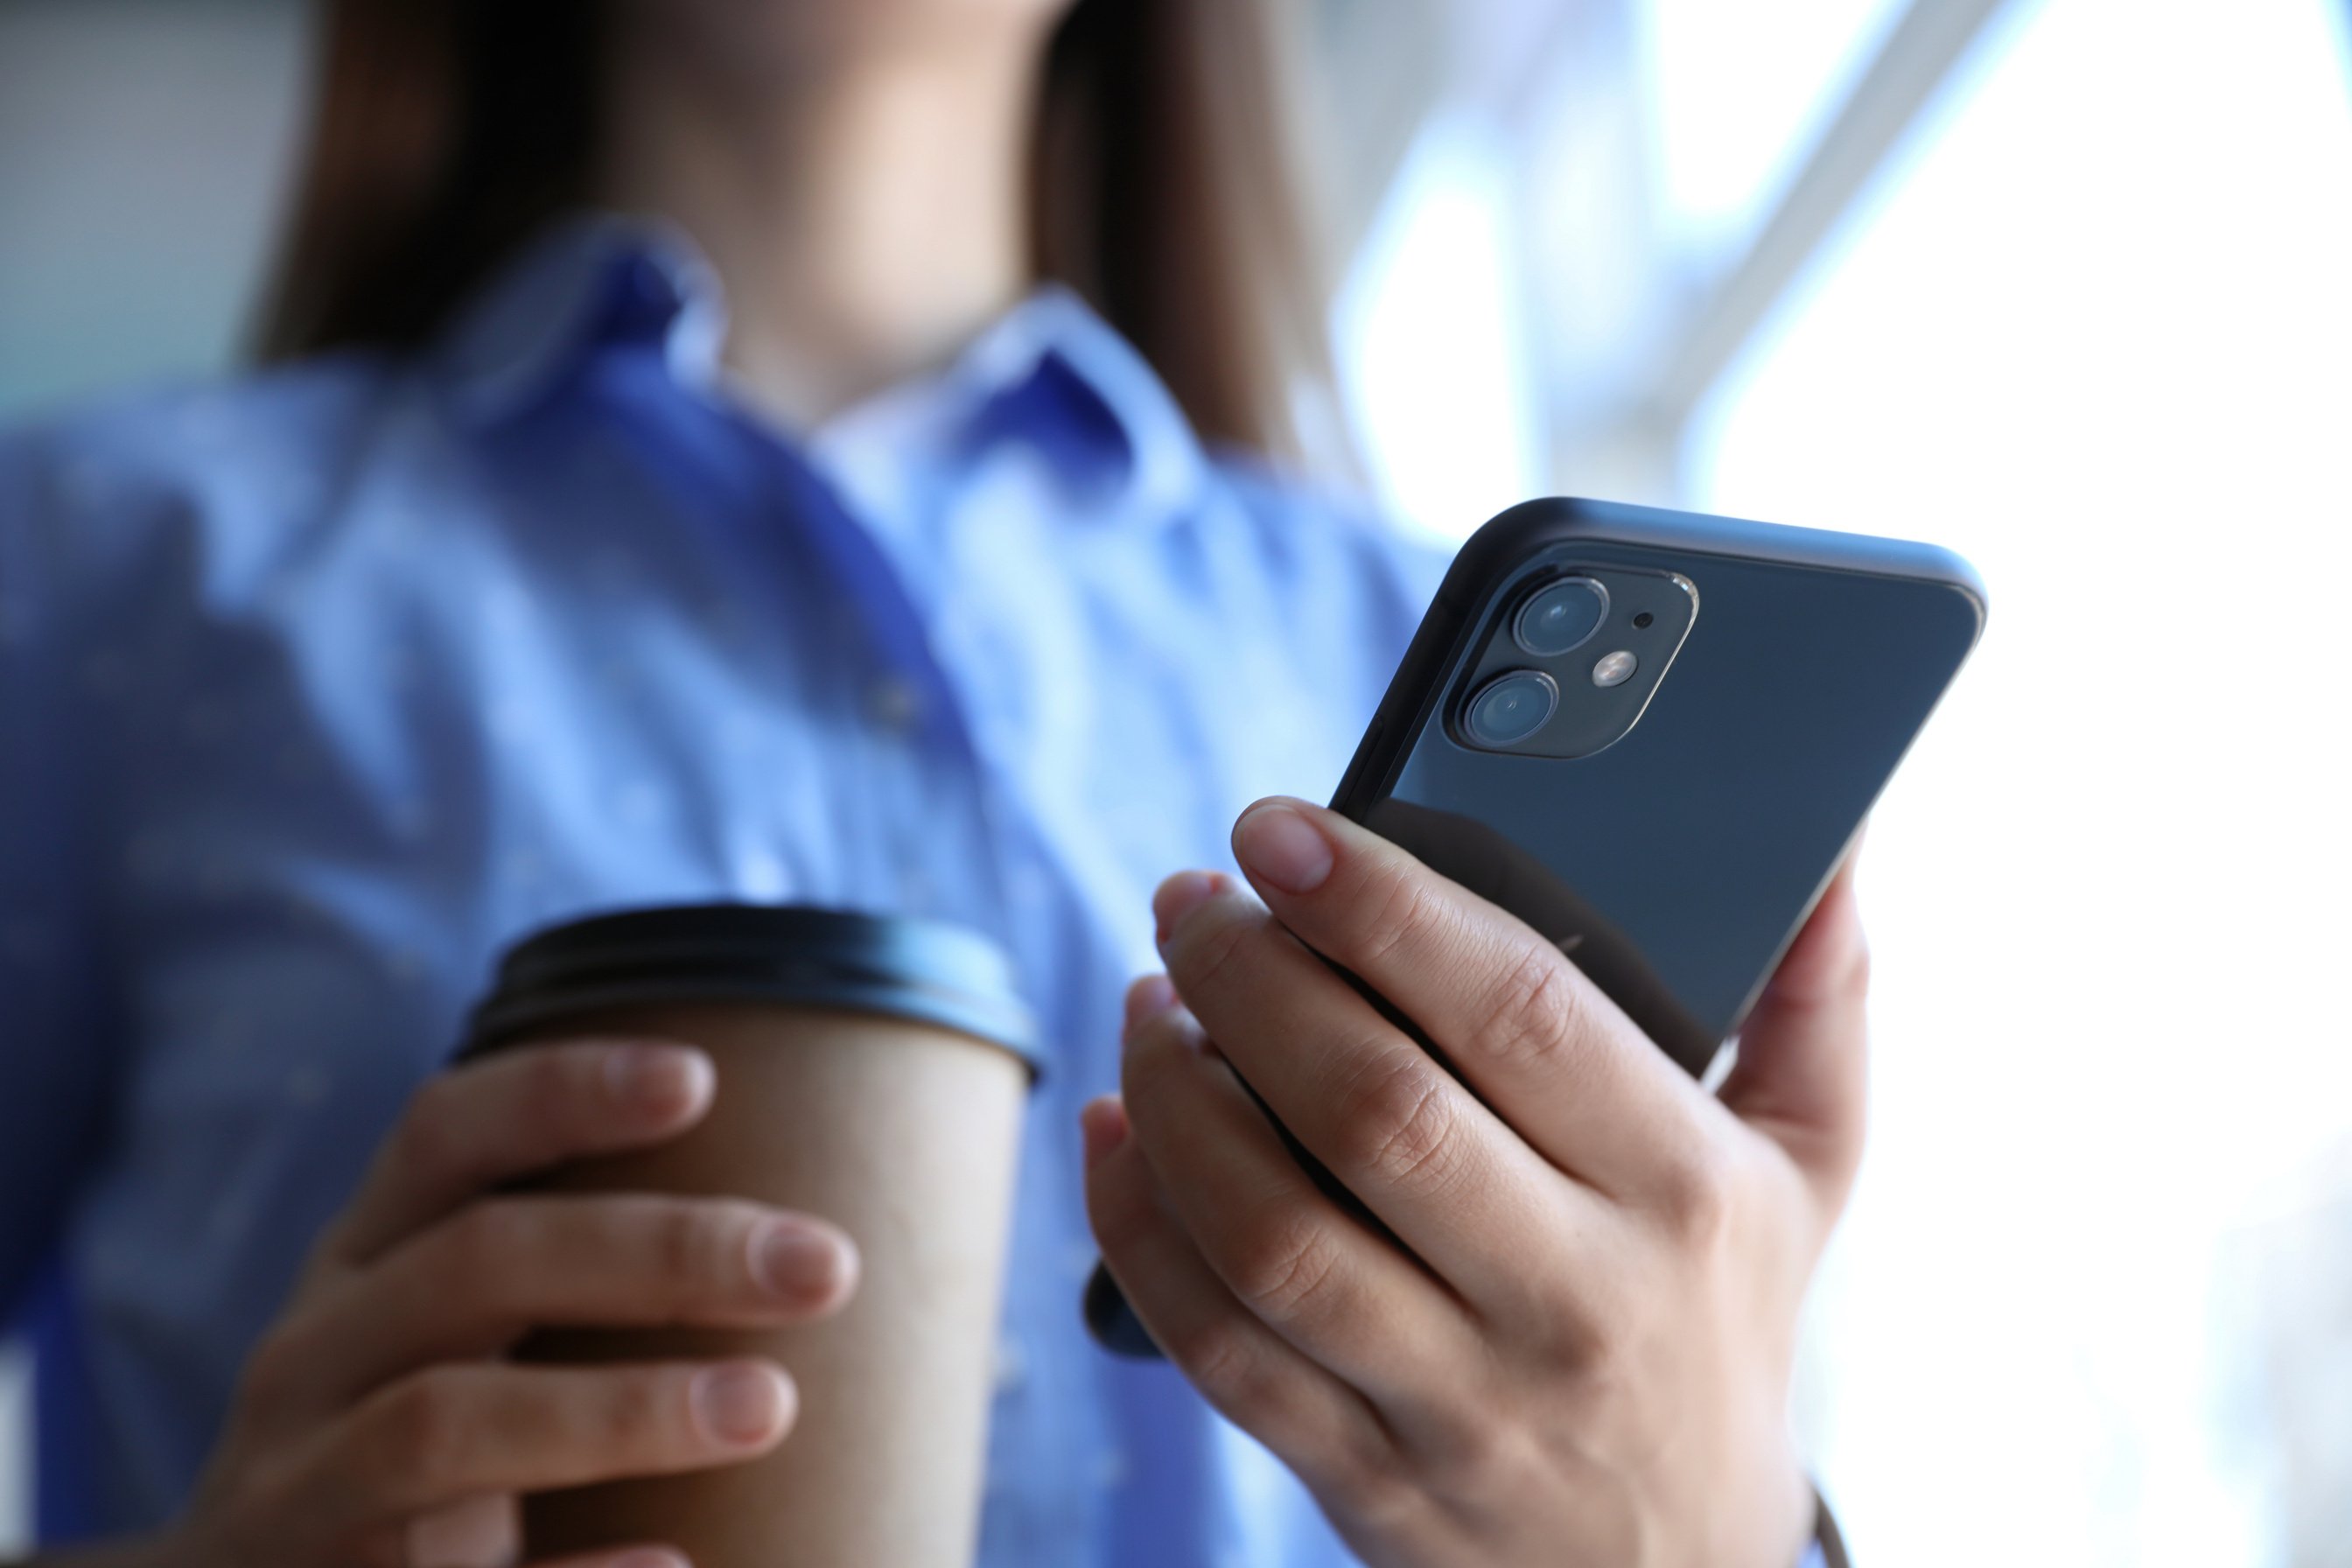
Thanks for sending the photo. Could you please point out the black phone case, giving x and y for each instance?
(1675, 864)
(1678, 863)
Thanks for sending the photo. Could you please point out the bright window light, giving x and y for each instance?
(2097, 332)
(1738, 92)
(1431, 344)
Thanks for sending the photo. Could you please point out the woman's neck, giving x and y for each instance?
(866, 217)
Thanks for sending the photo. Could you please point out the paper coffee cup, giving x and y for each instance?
(871, 1071)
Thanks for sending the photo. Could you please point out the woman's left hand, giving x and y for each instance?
(1585, 1356)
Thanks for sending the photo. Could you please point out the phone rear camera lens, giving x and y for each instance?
(1559, 617)
(1511, 707)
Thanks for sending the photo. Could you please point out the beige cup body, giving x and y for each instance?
(905, 1135)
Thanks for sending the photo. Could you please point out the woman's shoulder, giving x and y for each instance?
(250, 456)
(177, 438)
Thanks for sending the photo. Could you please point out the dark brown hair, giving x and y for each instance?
(1166, 186)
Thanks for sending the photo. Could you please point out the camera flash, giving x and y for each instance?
(1615, 669)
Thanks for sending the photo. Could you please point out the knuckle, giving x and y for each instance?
(628, 1411)
(559, 1094)
(1531, 1012)
(276, 1369)
(1365, 1478)
(1470, 1445)
(1220, 1360)
(1206, 951)
(1159, 1072)
(415, 1433)
(428, 1144)
(489, 1242)
(1699, 1194)
(1398, 1124)
(1288, 1271)
(564, 1082)
(1606, 1376)
(1399, 907)
(1154, 1049)
(1122, 1211)
(687, 1242)
(1113, 1214)
(1566, 1312)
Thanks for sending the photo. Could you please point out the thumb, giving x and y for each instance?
(1801, 1075)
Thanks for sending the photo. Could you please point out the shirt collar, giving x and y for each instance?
(1049, 371)
(590, 282)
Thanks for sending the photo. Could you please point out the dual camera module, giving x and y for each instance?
(1560, 625)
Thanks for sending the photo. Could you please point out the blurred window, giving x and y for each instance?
(2090, 324)
(1432, 340)
(1738, 92)
(2095, 330)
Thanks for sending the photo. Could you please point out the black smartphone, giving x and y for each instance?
(1652, 736)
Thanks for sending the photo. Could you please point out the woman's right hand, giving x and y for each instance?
(379, 1421)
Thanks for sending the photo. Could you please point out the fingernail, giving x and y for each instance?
(1179, 896)
(1149, 997)
(1103, 1124)
(741, 1404)
(1278, 845)
(799, 1264)
(658, 1078)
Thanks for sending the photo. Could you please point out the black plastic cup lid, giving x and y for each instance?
(930, 971)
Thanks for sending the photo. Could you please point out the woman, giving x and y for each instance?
(815, 450)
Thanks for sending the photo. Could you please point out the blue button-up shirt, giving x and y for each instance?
(319, 687)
